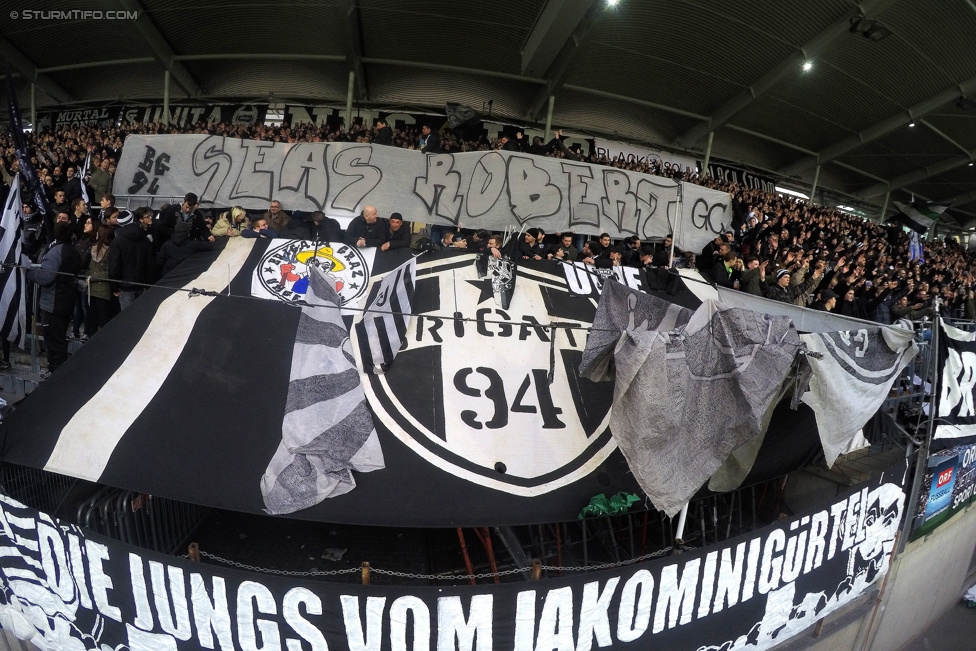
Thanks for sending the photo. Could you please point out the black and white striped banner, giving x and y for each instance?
(13, 309)
(383, 328)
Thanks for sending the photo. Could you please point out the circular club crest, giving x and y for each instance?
(475, 397)
(284, 269)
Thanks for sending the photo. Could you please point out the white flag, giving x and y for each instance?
(85, 171)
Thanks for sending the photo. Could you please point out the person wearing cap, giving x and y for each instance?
(397, 234)
(781, 290)
(130, 256)
(314, 228)
(826, 302)
(117, 218)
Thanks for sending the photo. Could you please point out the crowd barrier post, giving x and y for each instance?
(365, 572)
(193, 552)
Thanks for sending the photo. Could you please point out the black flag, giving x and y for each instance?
(35, 190)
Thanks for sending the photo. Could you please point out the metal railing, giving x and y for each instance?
(154, 523)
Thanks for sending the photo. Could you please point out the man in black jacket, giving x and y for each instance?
(384, 134)
(430, 141)
(189, 212)
(315, 228)
(366, 230)
(130, 258)
(398, 234)
(57, 292)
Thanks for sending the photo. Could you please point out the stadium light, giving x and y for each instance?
(807, 66)
(612, 3)
(911, 124)
(792, 193)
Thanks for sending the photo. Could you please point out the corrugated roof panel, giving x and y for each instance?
(944, 32)
(485, 35)
(834, 97)
(626, 120)
(739, 45)
(396, 85)
(738, 146)
(959, 124)
(879, 160)
(773, 117)
(889, 67)
(193, 27)
(115, 82)
(49, 41)
(254, 80)
(948, 184)
(648, 77)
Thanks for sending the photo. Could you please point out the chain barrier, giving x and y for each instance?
(438, 577)
(264, 570)
(196, 291)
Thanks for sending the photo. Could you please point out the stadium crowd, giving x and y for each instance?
(776, 246)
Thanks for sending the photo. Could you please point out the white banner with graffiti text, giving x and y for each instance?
(490, 190)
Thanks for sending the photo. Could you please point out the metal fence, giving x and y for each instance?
(138, 519)
(44, 491)
(148, 522)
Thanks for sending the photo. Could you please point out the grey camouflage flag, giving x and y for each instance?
(327, 431)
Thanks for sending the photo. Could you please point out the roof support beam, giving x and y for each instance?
(931, 127)
(882, 128)
(554, 44)
(29, 71)
(556, 23)
(789, 66)
(352, 42)
(961, 199)
(161, 50)
(918, 175)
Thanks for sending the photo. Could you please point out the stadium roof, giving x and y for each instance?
(888, 102)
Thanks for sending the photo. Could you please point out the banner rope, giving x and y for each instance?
(193, 291)
(436, 577)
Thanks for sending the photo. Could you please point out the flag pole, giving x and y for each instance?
(679, 541)
(923, 452)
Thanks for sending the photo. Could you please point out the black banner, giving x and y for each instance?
(742, 177)
(182, 116)
(78, 590)
(105, 116)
